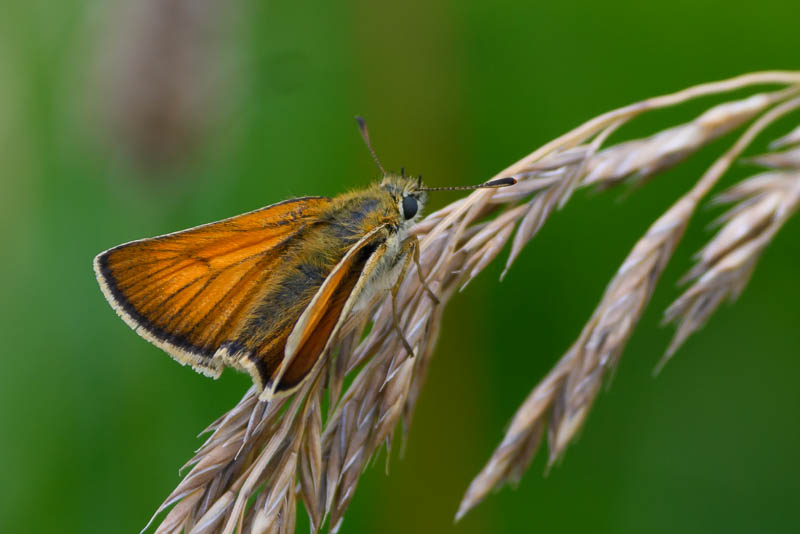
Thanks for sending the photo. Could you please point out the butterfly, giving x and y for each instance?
(267, 292)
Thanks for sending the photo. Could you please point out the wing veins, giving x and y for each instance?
(179, 311)
(226, 296)
(244, 303)
(148, 279)
(169, 298)
(283, 243)
(138, 265)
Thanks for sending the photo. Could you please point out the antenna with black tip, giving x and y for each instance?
(500, 182)
(362, 126)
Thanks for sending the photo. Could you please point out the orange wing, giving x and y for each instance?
(186, 292)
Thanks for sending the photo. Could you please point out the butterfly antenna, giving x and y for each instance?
(362, 126)
(500, 182)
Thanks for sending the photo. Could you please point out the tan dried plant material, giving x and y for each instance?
(561, 402)
(261, 459)
(765, 203)
(791, 138)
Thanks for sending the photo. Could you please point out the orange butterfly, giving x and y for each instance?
(266, 292)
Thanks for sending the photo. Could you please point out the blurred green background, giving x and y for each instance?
(119, 122)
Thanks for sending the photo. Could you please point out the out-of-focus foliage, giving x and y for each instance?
(257, 100)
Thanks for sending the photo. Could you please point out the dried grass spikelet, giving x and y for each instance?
(765, 203)
(304, 448)
(562, 400)
(791, 138)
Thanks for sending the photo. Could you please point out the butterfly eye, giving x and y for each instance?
(410, 207)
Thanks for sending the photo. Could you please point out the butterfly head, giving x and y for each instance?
(407, 193)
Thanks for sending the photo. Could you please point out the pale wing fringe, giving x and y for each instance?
(273, 454)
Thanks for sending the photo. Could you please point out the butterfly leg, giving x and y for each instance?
(406, 256)
(414, 245)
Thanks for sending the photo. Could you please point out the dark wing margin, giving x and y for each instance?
(186, 291)
(322, 319)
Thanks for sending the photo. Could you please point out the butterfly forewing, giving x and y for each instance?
(191, 291)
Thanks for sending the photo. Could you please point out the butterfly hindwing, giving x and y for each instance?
(187, 292)
(321, 320)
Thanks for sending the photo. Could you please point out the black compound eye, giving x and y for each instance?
(410, 207)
